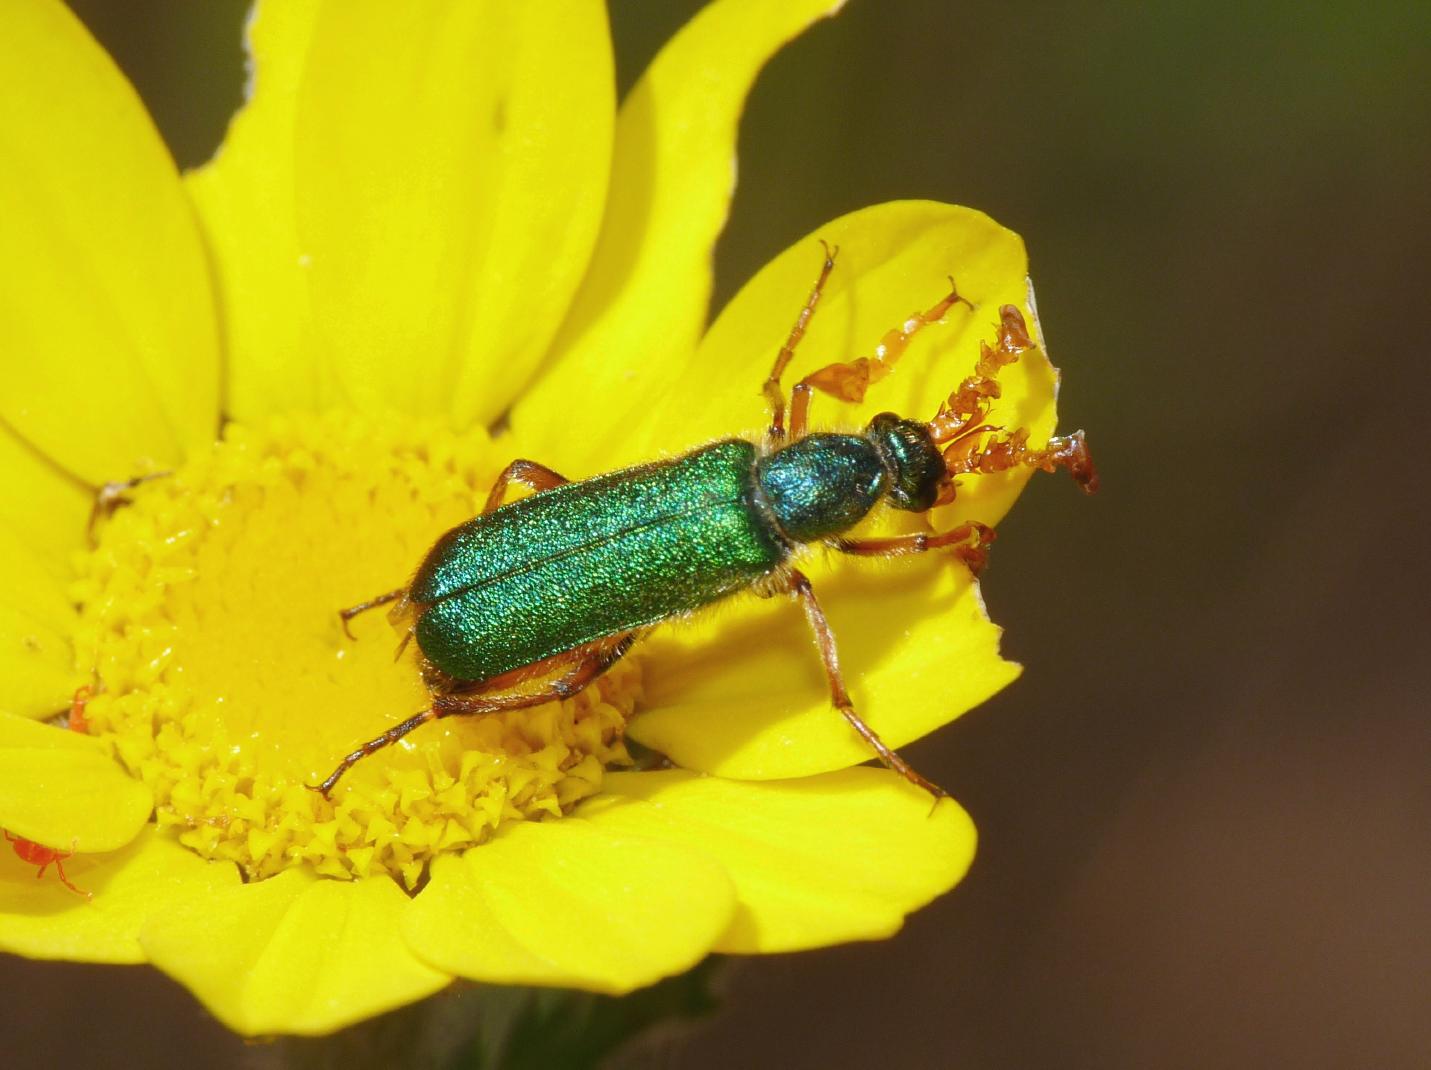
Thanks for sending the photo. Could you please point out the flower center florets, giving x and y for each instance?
(224, 680)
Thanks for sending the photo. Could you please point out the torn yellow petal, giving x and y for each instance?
(61, 789)
(42, 505)
(894, 259)
(567, 903)
(36, 622)
(643, 305)
(451, 168)
(292, 954)
(742, 693)
(42, 919)
(815, 861)
(245, 202)
(106, 315)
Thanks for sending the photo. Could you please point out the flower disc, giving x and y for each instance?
(225, 681)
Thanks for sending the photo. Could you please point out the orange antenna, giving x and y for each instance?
(971, 445)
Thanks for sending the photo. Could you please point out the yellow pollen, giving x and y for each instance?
(225, 682)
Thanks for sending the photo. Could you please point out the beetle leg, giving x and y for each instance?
(536, 476)
(529, 473)
(585, 669)
(848, 382)
(825, 639)
(773, 392)
(345, 615)
(974, 554)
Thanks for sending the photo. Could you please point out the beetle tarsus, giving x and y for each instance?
(345, 615)
(372, 746)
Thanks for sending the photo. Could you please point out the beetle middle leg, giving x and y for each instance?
(529, 473)
(799, 585)
(586, 666)
(849, 381)
(974, 554)
(345, 615)
(536, 476)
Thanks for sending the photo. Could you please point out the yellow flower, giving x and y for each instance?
(430, 219)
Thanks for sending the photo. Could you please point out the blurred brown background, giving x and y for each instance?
(1204, 810)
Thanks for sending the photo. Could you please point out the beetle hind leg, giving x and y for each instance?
(586, 665)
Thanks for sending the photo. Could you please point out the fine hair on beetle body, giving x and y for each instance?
(532, 600)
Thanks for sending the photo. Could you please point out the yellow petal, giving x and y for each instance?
(815, 861)
(566, 903)
(451, 164)
(742, 693)
(641, 310)
(44, 506)
(27, 584)
(245, 202)
(106, 315)
(292, 954)
(61, 789)
(36, 621)
(36, 664)
(42, 522)
(45, 920)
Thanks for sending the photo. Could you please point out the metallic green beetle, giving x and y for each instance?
(556, 587)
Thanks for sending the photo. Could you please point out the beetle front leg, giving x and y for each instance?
(974, 554)
(773, 392)
(530, 474)
(799, 585)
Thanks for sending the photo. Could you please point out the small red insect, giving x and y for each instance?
(76, 721)
(37, 854)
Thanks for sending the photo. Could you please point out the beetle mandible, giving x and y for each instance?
(557, 586)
